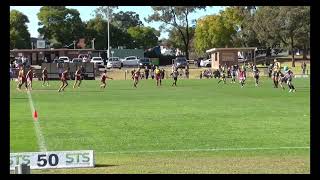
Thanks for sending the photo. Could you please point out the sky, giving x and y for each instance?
(87, 13)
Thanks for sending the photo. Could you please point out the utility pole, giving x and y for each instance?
(93, 42)
(74, 44)
(108, 32)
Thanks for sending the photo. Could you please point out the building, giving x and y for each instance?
(229, 56)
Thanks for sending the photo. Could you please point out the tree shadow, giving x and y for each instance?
(105, 165)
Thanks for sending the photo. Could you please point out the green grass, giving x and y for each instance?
(198, 114)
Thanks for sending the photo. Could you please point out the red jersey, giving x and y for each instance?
(241, 74)
(29, 75)
(103, 77)
(64, 75)
(137, 74)
(78, 75)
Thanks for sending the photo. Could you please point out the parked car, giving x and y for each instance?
(130, 61)
(180, 62)
(58, 61)
(205, 63)
(65, 59)
(144, 62)
(98, 61)
(114, 62)
(76, 60)
(84, 57)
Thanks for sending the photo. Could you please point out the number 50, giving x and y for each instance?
(42, 160)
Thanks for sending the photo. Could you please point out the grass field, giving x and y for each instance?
(198, 127)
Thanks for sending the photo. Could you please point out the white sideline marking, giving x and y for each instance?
(40, 138)
(215, 149)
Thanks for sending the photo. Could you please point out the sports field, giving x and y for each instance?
(197, 127)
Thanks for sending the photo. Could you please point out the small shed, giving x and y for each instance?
(229, 56)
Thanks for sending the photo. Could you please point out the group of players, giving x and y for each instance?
(278, 77)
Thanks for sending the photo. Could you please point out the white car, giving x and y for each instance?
(98, 61)
(130, 61)
(114, 62)
(65, 59)
(205, 63)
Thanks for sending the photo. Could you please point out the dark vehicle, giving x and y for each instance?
(143, 62)
(180, 62)
(76, 60)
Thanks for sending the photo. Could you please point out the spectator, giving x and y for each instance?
(187, 73)
(152, 74)
(304, 67)
(200, 74)
(162, 73)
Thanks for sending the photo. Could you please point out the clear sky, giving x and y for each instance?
(87, 12)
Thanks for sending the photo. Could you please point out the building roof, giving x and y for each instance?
(223, 49)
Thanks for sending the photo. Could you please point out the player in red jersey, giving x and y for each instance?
(21, 79)
(135, 77)
(77, 77)
(242, 76)
(103, 79)
(64, 77)
(45, 76)
(29, 77)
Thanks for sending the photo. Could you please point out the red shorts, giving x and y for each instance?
(158, 77)
(63, 79)
(136, 78)
(78, 77)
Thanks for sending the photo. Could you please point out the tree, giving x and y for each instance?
(97, 28)
(177, 17)
(60, 25)
(19, 34)
(145, 37)
(284, 25)
(217, 30)
(125, 20)
(176, 40)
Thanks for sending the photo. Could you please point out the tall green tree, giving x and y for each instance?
(60, 25)
(177, 17)
(19, 34)
(125, 20)
(288, 26)
(217, 30)
(145, 37)
(97, 28)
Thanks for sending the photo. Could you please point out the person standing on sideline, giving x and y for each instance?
(304, 67)
(175, 75)
(45, 76)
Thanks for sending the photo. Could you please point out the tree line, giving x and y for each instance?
(264, 27)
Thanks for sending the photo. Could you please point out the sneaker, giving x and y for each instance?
(294, 90)
(290, 90)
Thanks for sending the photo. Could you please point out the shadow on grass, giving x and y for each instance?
(105, 165)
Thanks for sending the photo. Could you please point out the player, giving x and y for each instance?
(77, 77)
(45, 76)
(175, 75)
(21, 79)
(29, 77)
(256, 73)
(158, 75)
(276, 73)
(64, 77)
(242, 77)
(136, 77)
(289, 76)
(104, 78)
(233, 74)
(222, 75)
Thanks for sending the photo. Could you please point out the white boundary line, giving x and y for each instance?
(215, 149)
(40, 138)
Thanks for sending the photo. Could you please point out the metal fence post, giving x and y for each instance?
(22, 169)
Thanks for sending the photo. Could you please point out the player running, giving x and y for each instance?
(136, 76)
(29, 77)
(276, 73)
(21, 79)
(104, 78)
(256, 73)
(175, 75)
(64, 77)
(288, 76)
(242, 77)
(158, 75)
(45, 76)
(77, 78)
